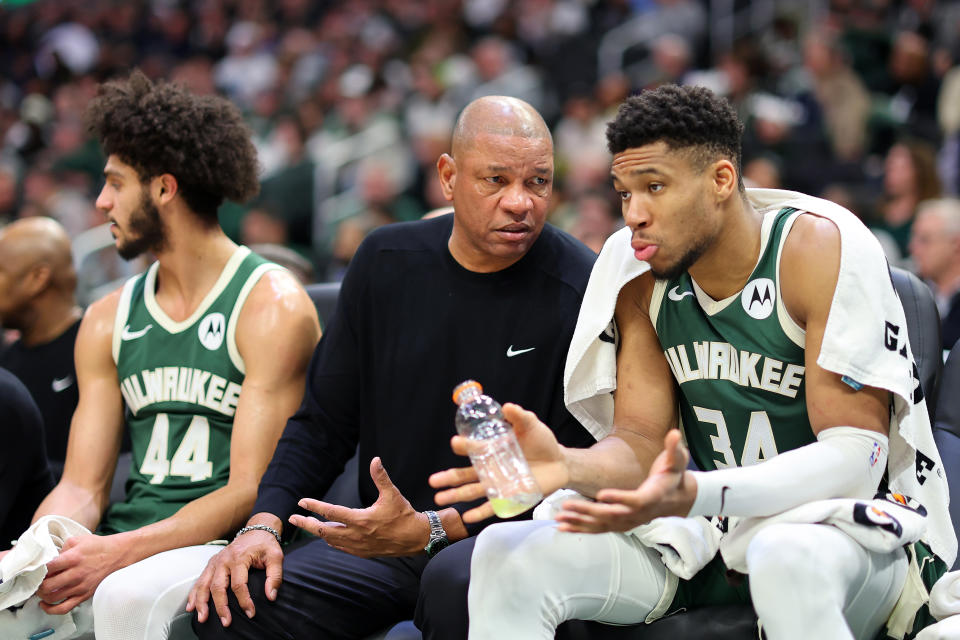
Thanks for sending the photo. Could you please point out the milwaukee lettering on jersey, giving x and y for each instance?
(180, 384)
(720, 361)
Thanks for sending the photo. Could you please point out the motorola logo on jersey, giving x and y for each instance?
(212, 329)
(758, 298)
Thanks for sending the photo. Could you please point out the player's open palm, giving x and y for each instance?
(667, 491)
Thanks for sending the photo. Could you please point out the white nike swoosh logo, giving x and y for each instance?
(511, 352)
(674, 295)
(61, 384)
(133, 335)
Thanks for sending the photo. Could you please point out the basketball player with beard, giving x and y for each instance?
(203, 357)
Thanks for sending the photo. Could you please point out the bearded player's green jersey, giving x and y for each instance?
(181, 383)
(739, 365)
(739, 362)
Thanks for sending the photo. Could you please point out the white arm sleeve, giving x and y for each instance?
(845, 462)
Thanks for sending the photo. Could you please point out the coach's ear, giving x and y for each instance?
(724, 179)
(447, 170)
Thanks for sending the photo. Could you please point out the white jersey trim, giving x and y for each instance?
(790, 328)
(656, 299)
(120, 319)
(712, 307)
(172, 326)
(252, 280)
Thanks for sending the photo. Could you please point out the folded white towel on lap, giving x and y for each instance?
(879, 525)
(686, 545)
(24, 568)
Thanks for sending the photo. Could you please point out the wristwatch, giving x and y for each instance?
(438, 537)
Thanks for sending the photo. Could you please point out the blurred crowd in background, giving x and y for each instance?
(352, 101)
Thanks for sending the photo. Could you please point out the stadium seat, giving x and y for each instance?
(118, 487)
(923, 326)
(324, 296)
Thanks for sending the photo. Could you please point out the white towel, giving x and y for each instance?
(879, 525)
(855, 345)
(686, 545)
(590, 374)
(30, 619)
(24, 568)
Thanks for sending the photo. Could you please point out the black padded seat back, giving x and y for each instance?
(947, 415)
(923, 328)
(946, 432)
(324, 296)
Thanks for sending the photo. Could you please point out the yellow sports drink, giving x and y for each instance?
(498, 460)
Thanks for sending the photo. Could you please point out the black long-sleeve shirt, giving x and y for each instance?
(410, 324)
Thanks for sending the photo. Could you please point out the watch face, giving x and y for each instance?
(436, 545)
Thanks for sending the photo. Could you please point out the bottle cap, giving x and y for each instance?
(463, 386)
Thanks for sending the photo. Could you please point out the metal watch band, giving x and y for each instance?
(438, 537)
(436, 527)
(259, 527)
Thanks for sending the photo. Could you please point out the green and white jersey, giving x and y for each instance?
(181, 383)
(738, 362)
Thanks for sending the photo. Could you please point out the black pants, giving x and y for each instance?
(328, 594)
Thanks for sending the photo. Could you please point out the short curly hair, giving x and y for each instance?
(685, 118)
(162, 128)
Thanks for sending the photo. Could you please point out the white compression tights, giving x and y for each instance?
(140, 601)
(814, 581)
(807, 581)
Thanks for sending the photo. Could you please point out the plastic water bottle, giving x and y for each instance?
(500, 464)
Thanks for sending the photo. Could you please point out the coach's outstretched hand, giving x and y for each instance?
(388, 527)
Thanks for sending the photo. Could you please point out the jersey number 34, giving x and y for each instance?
(759, 445)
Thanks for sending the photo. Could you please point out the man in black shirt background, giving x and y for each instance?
(37, 283)
(488, 292)
(24, 474)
